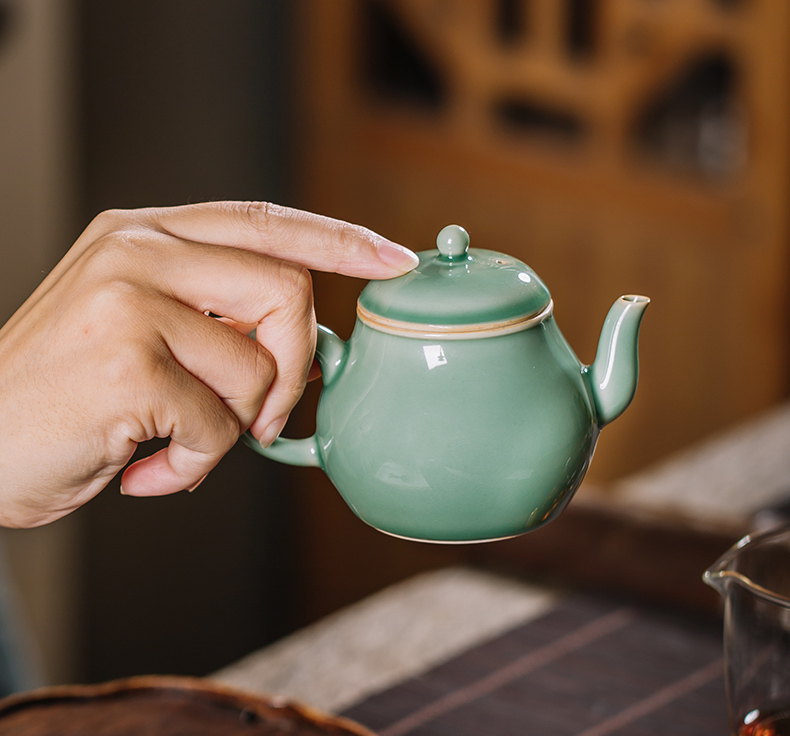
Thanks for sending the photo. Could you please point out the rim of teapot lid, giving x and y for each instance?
(457, 287)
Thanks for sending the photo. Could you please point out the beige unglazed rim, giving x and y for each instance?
(452, 332)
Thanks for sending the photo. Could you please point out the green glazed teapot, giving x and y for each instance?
(457, 412)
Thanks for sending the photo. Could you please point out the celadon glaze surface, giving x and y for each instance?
(460, 440)
(480, 286)
(457, 412)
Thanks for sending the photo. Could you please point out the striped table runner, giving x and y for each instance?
(589, 667)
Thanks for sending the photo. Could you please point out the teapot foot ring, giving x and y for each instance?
(443, 541)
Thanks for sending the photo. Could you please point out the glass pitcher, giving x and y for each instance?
(754, 579)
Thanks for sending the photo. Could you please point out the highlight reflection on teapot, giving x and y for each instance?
(456, 411)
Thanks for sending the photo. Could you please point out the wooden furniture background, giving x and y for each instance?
(614, 145)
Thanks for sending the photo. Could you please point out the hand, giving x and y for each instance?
(116, 347)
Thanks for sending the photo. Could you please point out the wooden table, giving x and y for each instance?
(461, 651)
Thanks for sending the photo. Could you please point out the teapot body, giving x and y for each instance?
(457, 440)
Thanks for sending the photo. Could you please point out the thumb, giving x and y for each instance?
(157, 475)
(202, 429)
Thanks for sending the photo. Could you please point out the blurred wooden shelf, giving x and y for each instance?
(615, 146)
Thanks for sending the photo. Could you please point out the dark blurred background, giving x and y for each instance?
(614, 145)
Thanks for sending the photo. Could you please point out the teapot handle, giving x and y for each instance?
(330, 351)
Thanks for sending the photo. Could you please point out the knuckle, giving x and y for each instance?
(263, 365)
(214, 430)
(118, 327)
(261, 217)
(108, 220)
(102, 225)
(109, 252)
(347, 236)
(296, 282)
(112, 221)
(301, 282)
(116, 300)
(124, 250)
(254, 368)
(136, 380)
(285, 285)
(347, 242)
(226, 429)
(136, 366)
(293, 390)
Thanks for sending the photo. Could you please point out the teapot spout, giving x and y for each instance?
(613, 375)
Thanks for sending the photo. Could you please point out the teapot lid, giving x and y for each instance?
(457, 291)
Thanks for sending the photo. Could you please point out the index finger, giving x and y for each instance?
(314, 241)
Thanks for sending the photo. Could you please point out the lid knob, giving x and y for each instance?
(452, 242)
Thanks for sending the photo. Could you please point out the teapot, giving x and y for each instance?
(457, 412)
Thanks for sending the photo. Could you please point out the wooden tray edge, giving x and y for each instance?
(263, 705)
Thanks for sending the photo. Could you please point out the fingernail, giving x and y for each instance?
(123, 493)
(189, 490)
(396, 255)
(272, 432)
